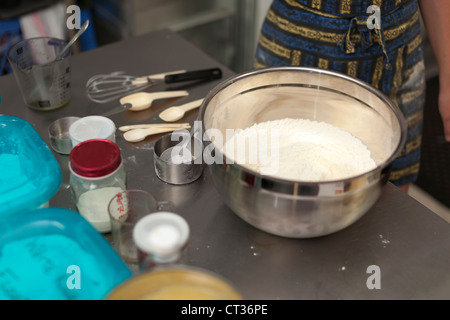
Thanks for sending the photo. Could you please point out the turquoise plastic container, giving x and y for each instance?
(29, 173)
(55, 254)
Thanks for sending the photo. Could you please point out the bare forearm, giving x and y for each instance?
(436, 16)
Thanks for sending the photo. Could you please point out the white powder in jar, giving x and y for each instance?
(93, 206)
(300, 149)
(164, 237)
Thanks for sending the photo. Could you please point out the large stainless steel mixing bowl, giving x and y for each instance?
(294, 208)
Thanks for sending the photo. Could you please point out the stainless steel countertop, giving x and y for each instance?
(409, 243)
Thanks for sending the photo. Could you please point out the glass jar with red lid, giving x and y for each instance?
(96, 175)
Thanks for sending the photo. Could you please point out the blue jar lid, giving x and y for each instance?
(29, 173)
(55, 254)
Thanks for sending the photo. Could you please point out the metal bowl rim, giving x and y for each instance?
(241, 76)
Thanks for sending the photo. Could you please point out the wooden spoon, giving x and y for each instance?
(136, 135)
(154, 125)
(175, 113)
(143, 100)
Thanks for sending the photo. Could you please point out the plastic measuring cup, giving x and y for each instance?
(125, 210)
(43, 81)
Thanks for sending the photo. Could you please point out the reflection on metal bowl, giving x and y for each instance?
(300, 209)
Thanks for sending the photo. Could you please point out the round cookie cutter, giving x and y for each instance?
(59, 135)
(178, 157)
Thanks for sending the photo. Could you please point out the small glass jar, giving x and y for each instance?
(96, 176)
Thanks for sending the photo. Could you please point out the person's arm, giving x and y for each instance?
(436, 17)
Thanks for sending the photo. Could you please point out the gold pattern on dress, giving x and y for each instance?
(409, 72)
(398, 78)
(415, 119)
(316, 4)
(398, 2)
(393, 33)
(413, 145)
(352, 67)
(395, 175)
(323, 63)
(295, 57)
(414, 44)
(295, 3)
(346, 6)
(332, 37)
(286, 25)
(377, 3)
(410, 96)
(257, 65)
(378, 72)
(273, 47)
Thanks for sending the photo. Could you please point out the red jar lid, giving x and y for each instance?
(95, 158)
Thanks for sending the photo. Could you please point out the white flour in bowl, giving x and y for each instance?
(299, 149)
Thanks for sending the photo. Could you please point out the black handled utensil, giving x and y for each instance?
(105, 88)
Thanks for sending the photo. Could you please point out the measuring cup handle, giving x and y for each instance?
(205, 74)
(166, 206)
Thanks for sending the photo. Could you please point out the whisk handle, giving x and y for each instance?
(205, 74)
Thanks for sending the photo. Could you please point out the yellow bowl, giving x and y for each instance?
(176, 283)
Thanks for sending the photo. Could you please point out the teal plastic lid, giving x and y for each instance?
(55, 254)
(29, 173)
